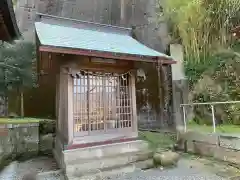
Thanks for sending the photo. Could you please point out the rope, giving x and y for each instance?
(100, 74)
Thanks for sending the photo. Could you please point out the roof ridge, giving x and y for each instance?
(81, 21)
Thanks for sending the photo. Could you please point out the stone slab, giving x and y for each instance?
(228, 155)
(106, 174)
(51, 175)
(202, 148)
(208, 138)
(230, 142)
(102, 163)
(104, 150)
(228, 148)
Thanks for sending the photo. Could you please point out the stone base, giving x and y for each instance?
(50, 175)
(219, 146)
(101, 160)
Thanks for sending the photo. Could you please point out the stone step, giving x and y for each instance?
(104, 151)
(51, 175)
(136, 156)
(104, 174)
(107, 162)
(144, 165)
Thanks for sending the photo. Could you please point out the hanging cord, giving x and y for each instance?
(110, 76)
(100, 74)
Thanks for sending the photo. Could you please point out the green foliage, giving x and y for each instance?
(17, 71)
(211, 56)
(202, 25)
(47, 126)
(158, 139)
(220, 82)
(17, 65)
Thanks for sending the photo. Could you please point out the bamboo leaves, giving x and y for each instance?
(203, 25)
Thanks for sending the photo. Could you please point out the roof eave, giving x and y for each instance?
(12, 27)
(110, 55)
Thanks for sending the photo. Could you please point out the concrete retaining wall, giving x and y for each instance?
(19, 138)
(219, 146)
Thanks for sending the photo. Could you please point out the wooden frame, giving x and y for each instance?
(164, 60)
(93, 137)
(102, 93)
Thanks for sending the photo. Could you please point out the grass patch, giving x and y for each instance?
(220, 128)
(158, 139)
(21, 120)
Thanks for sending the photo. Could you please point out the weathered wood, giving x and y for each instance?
(69, 105)
(134, 101)
(104, 55)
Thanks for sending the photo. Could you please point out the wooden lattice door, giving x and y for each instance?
(102, 103)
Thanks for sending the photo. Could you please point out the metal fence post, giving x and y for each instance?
(213, 119)
(184, 119)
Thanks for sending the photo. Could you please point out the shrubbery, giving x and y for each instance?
(219, 82)
(47, 126)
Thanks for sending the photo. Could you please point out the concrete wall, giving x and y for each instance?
(179, 85)
(23, 140)
(222, 147)
(19, 138)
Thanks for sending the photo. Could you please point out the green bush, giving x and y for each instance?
(47, 127)
(219, 82)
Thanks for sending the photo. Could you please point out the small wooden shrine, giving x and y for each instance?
(8, 25)
(93, 68)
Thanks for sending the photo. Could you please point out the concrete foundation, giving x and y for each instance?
(101, 160)
(219, 146)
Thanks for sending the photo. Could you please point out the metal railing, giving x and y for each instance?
(212, 104)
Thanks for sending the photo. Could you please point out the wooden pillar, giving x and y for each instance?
(134, 103)
(58, 101)
(160, 93)
(70, 109)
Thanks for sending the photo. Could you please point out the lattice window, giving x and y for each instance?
(102, 103)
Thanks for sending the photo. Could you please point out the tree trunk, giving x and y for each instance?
(22, 103)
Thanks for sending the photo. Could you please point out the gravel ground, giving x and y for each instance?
(16, 170)
(179, 173)
(187, 169)
(184, 171)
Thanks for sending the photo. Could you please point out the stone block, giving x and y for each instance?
(106, 158)
(31, 147)
(203, 148)
(103, 174)
(46, 142)
(21, 147)
(148, 164)
(101, 163)
(229, 142)
(58, 175)
(167, 158)
(208, 138)
(190, 146)
(228, 155)
(32, 134)
(104, 150)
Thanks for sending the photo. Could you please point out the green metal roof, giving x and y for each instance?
(96, 39)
